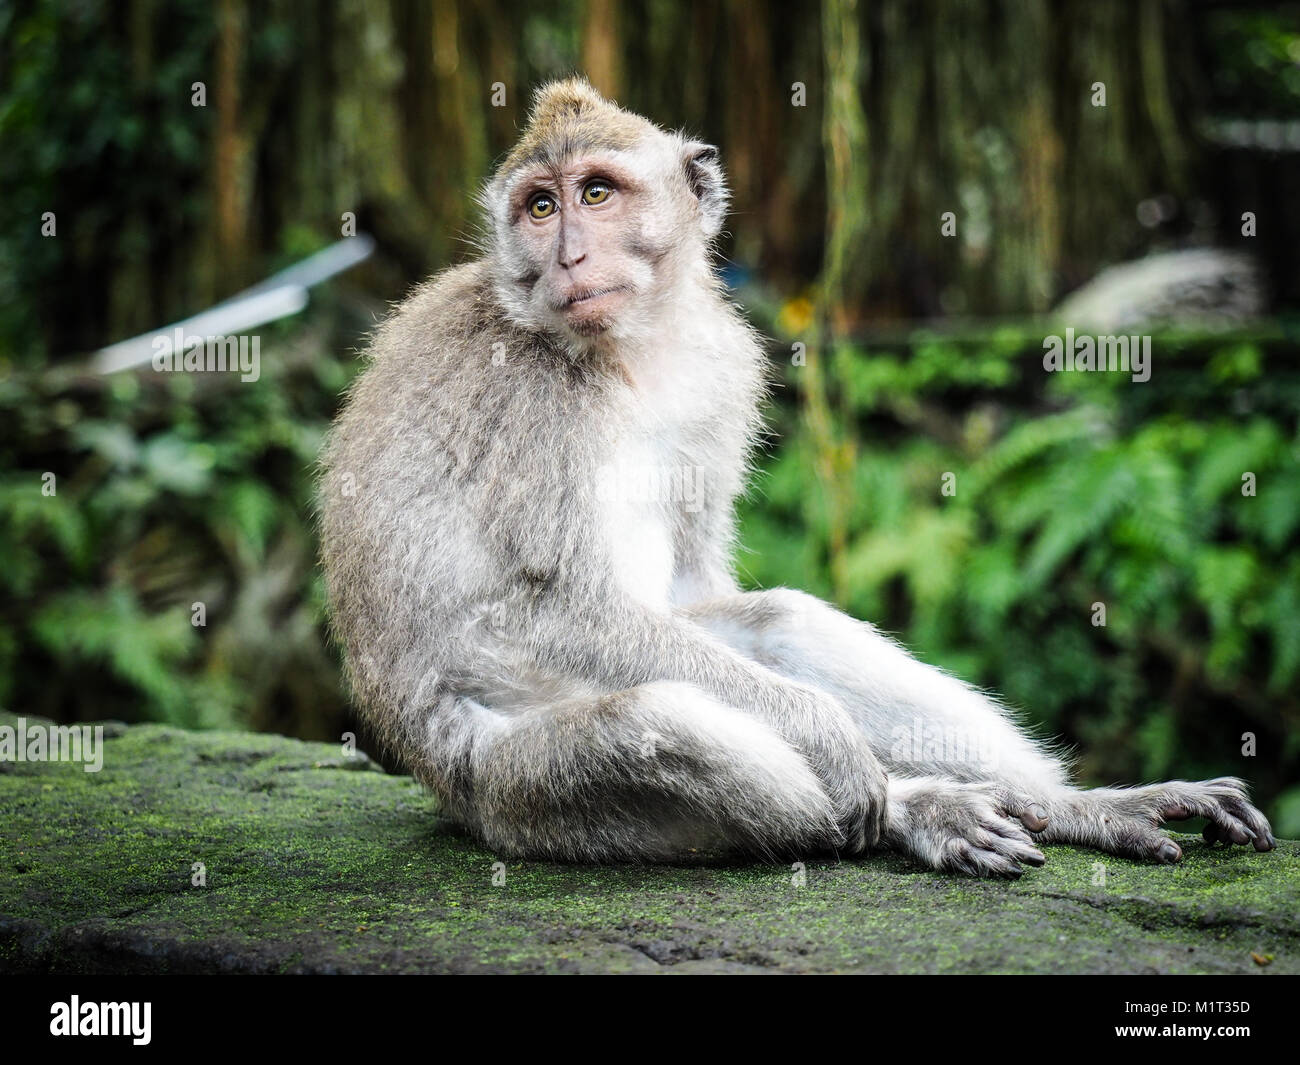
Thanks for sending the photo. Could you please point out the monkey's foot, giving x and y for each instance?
(1124, 820)
(963, 828)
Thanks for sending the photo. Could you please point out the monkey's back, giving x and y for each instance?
(443, 487)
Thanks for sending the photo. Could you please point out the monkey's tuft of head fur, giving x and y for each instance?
(570, 116)
(597, 215)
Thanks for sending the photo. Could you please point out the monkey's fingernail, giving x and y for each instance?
(1035, 858)
(1039, 816)
(1265, 842)
(1169, 852)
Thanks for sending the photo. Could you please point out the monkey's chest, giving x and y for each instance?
(643, 491)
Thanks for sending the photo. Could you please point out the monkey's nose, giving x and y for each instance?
(570, 261)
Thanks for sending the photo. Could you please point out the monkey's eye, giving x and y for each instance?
(541, 206)
(596, 192)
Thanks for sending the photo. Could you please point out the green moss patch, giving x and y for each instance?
(317, 862)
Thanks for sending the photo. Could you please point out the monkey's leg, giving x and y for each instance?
(963, 824)
(923, 722)
(648, 773)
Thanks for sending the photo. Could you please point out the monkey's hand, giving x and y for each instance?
(962, 828)
(837, 751)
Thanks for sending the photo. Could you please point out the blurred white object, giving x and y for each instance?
(1202, 287)
(279, 296)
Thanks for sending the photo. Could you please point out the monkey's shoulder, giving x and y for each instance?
(453, 329)
(439, 314)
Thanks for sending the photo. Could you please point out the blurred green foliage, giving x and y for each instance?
(1071, 490)
(1256, 60)
(99, 130)
(170, 490)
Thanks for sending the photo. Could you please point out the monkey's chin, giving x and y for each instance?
(594, 315)
(588, 328)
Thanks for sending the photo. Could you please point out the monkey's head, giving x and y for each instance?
(597, 216)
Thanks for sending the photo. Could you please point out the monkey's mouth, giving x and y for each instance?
(584, 297)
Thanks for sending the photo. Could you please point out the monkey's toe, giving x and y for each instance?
(1225, 806)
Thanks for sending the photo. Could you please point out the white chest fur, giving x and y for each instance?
(665, 461)
(652, 476)
(637, 509)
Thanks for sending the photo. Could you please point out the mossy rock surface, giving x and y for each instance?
(316, 862)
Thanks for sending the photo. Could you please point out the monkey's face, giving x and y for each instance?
(580, 227)
(594, 243)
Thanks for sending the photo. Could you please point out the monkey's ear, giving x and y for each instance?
(707, 183)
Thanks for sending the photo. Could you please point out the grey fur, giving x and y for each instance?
(479, 588)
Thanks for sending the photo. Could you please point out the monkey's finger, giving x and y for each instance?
(860, 828)
(976, 862)
(1030, 855)
(991, 863)
(879, 822)
(1031, 814)
(873, 826)
(1007, 828)
(1168, 852)
(855, 840)
(961, 856)
(1034, 818)
(1017, 846)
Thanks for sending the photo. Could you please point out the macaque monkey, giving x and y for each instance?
(527, 522)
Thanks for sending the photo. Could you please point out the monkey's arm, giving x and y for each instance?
(617, 643)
